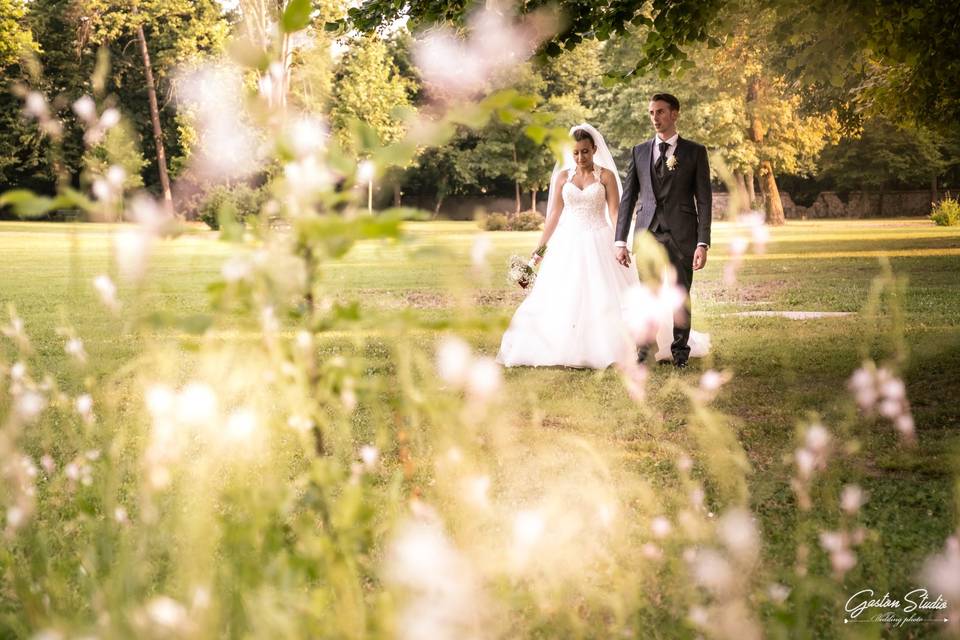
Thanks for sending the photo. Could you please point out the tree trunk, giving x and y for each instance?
(934, 191)
(751, 191)
(396, 194)
(516, 183)
(533, 199)
(155, 119)
(771, 195)
(743, 199)
(768, 184)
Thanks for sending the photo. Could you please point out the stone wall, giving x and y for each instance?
(862, 204)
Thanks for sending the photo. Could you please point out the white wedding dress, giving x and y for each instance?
(574, 314)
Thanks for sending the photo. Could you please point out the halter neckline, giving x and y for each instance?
(573, 172)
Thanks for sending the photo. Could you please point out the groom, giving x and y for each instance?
(669, 174)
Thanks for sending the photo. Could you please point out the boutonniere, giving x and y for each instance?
(672, 162)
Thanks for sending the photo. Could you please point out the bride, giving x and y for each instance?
(574, 314)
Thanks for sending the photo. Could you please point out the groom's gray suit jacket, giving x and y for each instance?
(682, 199)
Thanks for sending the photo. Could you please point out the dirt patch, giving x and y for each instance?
(508, 298)
(416, 299)
(742, 294)
(791, 315)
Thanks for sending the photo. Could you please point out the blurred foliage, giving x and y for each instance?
(672, 25)
(888, 59)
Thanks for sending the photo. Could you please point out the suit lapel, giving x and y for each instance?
(646, 156)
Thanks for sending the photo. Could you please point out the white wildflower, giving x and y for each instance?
(454, 358)
(852, 498)
(107, 291)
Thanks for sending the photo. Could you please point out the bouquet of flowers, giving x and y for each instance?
(523, 273)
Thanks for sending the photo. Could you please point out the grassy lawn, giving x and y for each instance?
(785, 371)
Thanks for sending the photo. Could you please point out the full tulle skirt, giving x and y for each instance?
(573, 315)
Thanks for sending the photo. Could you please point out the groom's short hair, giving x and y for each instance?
(669, 98)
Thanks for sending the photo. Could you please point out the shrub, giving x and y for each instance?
(946, 213)
(496, 222)
(237, 202)
(526, 221)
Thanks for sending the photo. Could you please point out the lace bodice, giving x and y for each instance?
(585, 207)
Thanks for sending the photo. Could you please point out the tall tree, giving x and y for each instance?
(148, 21)
(368, 89)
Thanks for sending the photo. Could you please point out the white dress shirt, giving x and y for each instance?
(672, 141)
(672, 149)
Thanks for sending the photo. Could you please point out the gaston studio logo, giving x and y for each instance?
(914, 607)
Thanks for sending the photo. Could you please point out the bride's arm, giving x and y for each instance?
(613, 195)
(554, 211)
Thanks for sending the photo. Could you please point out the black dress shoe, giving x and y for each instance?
(680, 364)
(642, 355)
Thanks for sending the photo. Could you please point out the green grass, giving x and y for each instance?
(784, 370)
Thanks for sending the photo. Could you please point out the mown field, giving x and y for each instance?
(785, 372)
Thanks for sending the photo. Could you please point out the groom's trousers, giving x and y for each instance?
(684, 268)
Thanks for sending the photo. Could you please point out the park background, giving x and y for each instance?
(751, 100)
(285, 420)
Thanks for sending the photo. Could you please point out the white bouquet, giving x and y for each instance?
(524, 273)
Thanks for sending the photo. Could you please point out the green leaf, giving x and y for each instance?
(473, 116)
(500, 99)
(523, 102)
(196, 323)
(365, 136)
(536, 133)
(27, 204)
(507, 116)
(296, 16)
(247, 54)
(399, 154)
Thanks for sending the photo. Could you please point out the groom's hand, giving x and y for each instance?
(699, 258)
(623, 256)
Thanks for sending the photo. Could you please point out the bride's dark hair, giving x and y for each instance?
(581, 134)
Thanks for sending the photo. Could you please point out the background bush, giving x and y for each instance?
(946, 213)
(496, 222)
(523, 221)
(526, 221)
(238, 202)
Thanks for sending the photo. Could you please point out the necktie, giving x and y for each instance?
(662, 160)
